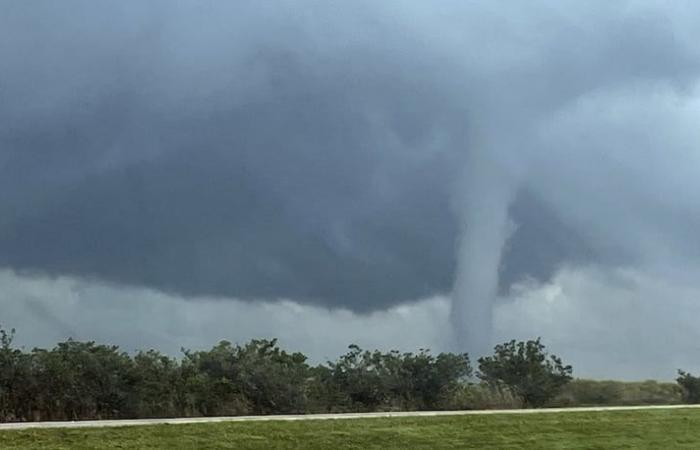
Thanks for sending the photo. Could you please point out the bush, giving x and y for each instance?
(651, 392)
(482, 396)
(616, 393)
(589, 393)
(690, 386)
(527, 370)
(362, 380)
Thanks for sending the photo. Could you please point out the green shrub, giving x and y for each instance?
(690, 387)
(482, 396)
(616, 393)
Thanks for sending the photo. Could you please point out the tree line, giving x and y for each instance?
(84, 380)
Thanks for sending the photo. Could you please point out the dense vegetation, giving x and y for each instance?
(527, 370)
(690, 386)
(653, 429)
(84, 380)
(618, 393)
(81, 380)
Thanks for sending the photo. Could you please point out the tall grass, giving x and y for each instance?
(581, 392)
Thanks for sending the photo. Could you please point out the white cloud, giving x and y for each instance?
(46, 310)
(608, 324)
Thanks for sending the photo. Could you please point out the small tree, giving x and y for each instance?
(16, 382)
(156, 386)
(361, 377)
(690, 386)
(527, 370)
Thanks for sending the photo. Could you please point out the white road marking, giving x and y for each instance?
(344, 416)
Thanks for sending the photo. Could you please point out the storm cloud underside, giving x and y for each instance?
(323, 152)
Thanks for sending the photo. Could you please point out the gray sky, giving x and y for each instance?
(221, 157)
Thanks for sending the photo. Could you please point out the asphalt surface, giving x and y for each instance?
(175, 421)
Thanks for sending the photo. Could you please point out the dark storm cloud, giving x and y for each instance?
(302, 150)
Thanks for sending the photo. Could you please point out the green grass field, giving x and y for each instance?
(657, 429)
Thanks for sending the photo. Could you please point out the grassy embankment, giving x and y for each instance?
(679, 428)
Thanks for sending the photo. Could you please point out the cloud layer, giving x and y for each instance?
(192, 149)
(607, 324)
(327, 153)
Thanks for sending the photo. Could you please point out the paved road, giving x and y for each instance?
(124, 423)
